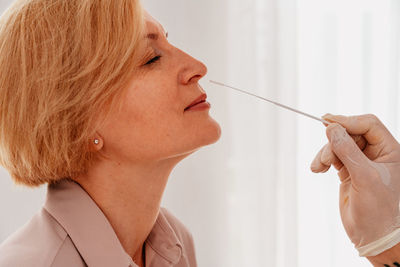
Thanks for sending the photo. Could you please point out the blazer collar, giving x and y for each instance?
(93, 235)
(163, 241)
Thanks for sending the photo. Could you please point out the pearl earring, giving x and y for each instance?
(96, 141)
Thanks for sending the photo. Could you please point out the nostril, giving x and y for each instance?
(196, 78)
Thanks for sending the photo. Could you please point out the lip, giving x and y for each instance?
(201, 99)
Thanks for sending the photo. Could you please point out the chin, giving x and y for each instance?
(211, 134)
(218, 132)
(208, 134)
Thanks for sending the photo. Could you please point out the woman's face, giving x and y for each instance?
(154, 124)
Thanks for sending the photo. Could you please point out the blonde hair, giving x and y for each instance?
(63, 65)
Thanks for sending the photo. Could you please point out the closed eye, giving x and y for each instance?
(153, 60)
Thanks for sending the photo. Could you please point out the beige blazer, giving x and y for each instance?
(71, 231)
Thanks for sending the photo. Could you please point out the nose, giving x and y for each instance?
(192, 70)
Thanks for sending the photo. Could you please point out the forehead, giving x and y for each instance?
(152, 25)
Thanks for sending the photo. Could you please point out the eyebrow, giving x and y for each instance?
(154, 36)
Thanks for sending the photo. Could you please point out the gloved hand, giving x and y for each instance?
(368, 159)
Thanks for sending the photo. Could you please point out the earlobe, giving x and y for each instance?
(96, 144)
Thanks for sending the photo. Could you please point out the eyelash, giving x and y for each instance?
(153, 60)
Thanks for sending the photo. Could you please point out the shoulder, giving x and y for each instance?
(37, 243)
(181, 231)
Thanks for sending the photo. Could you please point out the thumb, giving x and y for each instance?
(346, 149)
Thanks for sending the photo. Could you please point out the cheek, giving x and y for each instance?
(153, 119)
(142, 134)
(150, 123)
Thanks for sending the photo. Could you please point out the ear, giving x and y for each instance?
(96, 143)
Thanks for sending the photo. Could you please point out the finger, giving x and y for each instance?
(368, 126)
(343, 174)
(338, 165)
(326, 157)
(360, 141)
(329, 158)
(346, 149)
(317, 166)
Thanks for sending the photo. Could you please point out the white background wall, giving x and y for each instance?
(250, 199)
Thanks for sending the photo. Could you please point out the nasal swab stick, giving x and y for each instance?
(273, 102)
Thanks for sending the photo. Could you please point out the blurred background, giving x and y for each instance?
(251, 199)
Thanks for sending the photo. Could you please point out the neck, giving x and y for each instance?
(130, 197)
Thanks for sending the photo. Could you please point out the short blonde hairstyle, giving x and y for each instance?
(63, 65)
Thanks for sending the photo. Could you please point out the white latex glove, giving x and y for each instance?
(368, 159)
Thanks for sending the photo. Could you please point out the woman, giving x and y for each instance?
(96, 103)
